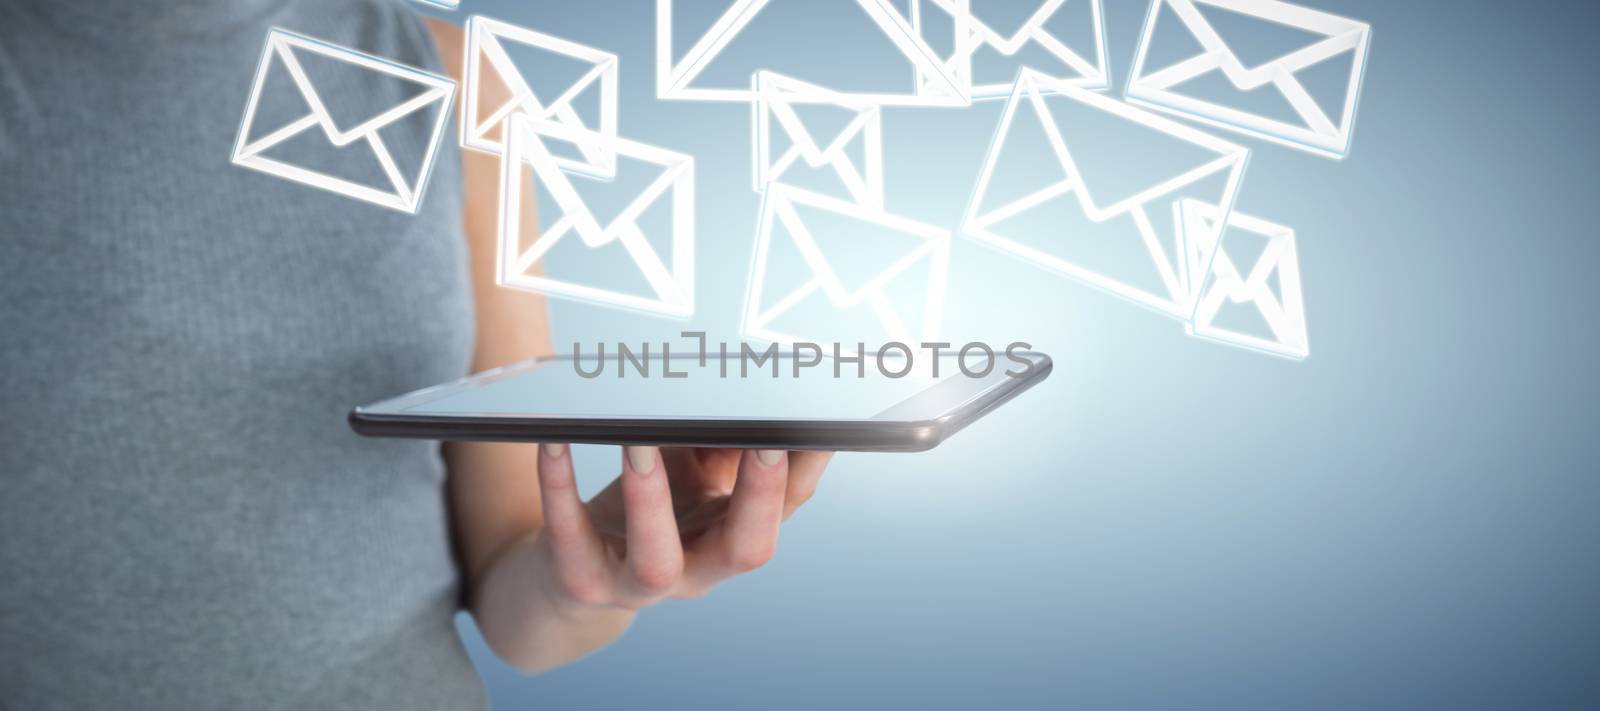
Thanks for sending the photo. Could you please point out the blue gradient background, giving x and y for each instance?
(1405, 520)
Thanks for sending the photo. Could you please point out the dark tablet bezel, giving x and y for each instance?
(916, 424)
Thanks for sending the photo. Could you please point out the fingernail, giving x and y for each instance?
(553, 449)
(769, 457)
(643, 459)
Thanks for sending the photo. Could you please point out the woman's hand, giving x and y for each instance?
(674, 524)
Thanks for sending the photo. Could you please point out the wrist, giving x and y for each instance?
(560, 604)
(530, 622)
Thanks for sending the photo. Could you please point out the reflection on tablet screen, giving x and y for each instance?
(556, 388)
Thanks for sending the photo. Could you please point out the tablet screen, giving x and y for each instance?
(734, 388)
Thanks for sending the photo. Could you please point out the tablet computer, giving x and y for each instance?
(780, 402)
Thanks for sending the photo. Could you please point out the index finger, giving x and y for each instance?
(574, 544)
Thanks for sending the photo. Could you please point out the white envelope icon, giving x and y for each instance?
(672, 286)
(971, 34)
(1139, 215)
(1316, 131)
(820, 276)
(406, 187)
(776, 97)
(675, 78)
(1281, 309)
(486, 38)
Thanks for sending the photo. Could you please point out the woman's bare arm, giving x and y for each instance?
(494, 488)
(544, 595)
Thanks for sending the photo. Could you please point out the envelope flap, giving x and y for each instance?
(859, 252)
(1246, 255)
(1010, 20)
(611, 201)
(609, 266)
(819, 121)
(1253, 40)
(783, 36)
(540, 67)
(572, 193)
(324, 76)
(1251, 253)
(1121, 155)
(1257, 255)
(826, 128)
(850, 247)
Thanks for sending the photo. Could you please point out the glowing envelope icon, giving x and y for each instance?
(671, 280)
(1315, 131)
(358, 139)
(1269, 283)
(488, 39)
(1146, 215)
(776, 99)
(820, 275)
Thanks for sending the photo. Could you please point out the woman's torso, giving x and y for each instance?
(185, 519)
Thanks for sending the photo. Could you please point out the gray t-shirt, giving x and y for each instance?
(186, 521)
